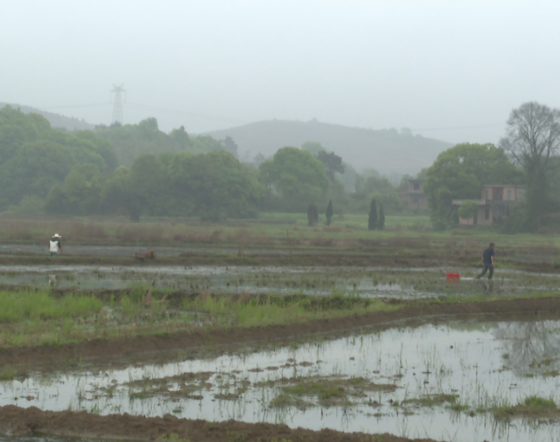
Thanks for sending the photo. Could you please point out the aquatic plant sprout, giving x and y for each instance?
(401, 283)
(447, 382)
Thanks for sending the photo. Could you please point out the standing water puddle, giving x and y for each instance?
(436, 381)
(321, 281)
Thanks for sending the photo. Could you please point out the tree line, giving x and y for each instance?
(138, 170)
(527, 154)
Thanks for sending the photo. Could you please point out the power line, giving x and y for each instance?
(148, 107)
(192, 114)
(458, 127)
(74, 105)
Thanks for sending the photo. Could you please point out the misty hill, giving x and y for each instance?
(57, 121)
(384, 150)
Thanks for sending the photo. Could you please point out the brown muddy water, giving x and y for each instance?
(441, 382)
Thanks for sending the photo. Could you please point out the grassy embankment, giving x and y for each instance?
(38, 318)
(404, 238)
(29, 318)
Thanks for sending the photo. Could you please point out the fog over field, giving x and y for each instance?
(450, 71)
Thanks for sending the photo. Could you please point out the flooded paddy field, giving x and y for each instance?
(394, 282)
(189, 342)
(454, 381)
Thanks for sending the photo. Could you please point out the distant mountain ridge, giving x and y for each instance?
(384, 150)
(57, 121)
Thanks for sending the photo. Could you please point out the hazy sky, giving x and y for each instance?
(451, 70)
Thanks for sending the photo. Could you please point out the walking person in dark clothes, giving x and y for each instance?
(488, 262)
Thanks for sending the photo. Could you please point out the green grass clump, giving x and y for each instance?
(33, 306)
(7, 374)
(433, 400)
(532, 407)
(272, 310)
(321, 390)
(538, 403)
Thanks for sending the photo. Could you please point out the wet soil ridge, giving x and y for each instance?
(386, 256)
(16, 421)
(131, 350)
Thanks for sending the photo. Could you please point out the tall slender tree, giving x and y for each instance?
(372, 220)
(315, 214)
(310, 215)
(329, 213)
(381, 219)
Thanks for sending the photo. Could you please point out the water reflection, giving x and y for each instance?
(531, 347)
(400, 283)
(463, 360)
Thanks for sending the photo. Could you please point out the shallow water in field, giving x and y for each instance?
(371, 282)
(481, 364)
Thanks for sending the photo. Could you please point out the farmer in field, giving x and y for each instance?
(55, 246)
(487, 262)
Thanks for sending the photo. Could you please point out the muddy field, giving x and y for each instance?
(380, 347)
(389, 252)
(107, 356)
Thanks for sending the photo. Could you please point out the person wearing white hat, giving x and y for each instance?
(55, 246)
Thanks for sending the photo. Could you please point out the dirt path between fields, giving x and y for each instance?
(16, 421)
(328, 257)
(200, 342)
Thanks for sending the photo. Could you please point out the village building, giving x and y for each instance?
(416, 196)
(495, 202)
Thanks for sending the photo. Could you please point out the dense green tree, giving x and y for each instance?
(149, 127)
(134, 140)
(212, 186)
(88, 141)
(332, 162)
(181, 138)
(33, 170)
(80, 193)
(372, 218)
(533, 140)
(34, 157)
(296, 176)
(467, 210)
(217, 186)
(116, 195)
(459, 173)
(379, 188)
(147, 181)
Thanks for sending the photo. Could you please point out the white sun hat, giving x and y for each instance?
(56, 235)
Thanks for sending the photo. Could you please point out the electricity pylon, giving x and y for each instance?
(118, 104)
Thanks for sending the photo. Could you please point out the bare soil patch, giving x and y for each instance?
(16, 421)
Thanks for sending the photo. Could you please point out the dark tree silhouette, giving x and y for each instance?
(329, 213)
(381, 218)
(332, 162)
(312, 215)
(230, 145)
(310, 218)
(533, 140)
(372, 220)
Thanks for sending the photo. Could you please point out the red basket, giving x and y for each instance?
(453, 275)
